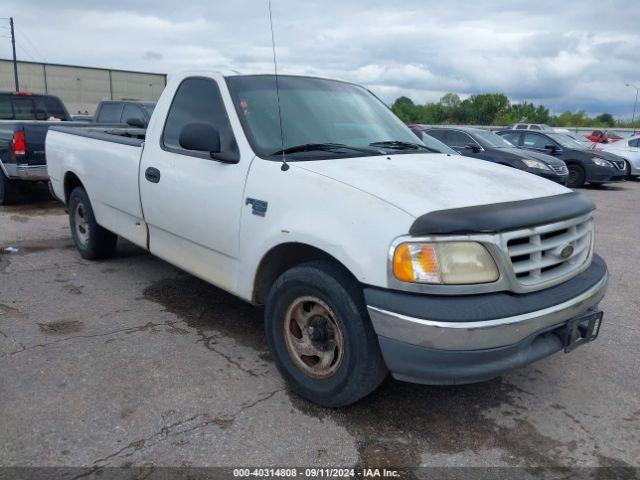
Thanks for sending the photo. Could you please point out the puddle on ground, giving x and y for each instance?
(35, 246)
(400, 422)
(73, 289)
(207, 308)
(65, 326)
(34, 209)
(11, 312)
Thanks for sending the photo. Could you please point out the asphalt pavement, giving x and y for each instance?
(130, 361)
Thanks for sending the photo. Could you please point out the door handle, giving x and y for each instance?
(152, 174)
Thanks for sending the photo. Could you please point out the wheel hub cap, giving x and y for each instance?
(81, 223)
(313, 337)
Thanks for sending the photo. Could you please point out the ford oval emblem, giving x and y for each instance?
(566, 251)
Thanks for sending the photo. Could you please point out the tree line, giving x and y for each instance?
(494, 109)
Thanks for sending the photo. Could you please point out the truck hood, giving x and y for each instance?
(422, 183)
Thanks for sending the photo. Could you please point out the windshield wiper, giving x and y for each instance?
(398, 145)
(324, 147)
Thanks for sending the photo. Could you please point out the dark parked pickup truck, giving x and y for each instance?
(131, 112)
(25, 119)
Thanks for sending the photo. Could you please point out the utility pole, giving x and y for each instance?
(633, 118)
(15, 62)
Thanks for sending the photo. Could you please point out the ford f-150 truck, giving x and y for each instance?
(369, 252)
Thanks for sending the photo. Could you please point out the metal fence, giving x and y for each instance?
(82, 88)
(625, 132)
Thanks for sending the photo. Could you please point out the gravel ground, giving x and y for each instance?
(130, 361)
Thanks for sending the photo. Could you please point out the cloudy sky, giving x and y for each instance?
(566, 54)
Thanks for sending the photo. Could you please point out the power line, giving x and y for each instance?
(25, 51)
(38, 52)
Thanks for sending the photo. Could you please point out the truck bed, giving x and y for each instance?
(107, 160)
(123, 135)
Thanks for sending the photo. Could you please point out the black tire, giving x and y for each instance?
(8, 189)
(627, 170)
(92, 241)
(577, 176)
(361, 367)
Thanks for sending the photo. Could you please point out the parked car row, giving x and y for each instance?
(543, 152)
(604, 136)
(584, 164)
(486, 145)
(25, 119)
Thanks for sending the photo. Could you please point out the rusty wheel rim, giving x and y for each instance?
(81, 223)
(313, 337)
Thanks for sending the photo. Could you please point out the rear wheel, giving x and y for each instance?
(321, 336)
(577, 176)
(92, 241)
(8, 189)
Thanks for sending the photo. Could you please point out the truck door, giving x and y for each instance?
(191, 202)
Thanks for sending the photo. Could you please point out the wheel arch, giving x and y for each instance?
(71, 181)
(283, 257)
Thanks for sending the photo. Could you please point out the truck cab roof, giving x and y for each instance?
(31, 106)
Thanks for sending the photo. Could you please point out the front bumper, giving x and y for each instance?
(465, 339)
(598, 174)
(25, 172)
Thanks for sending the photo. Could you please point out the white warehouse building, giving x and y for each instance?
(82, 88)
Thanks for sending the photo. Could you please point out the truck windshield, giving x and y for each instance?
(31, 107)
(314, 112)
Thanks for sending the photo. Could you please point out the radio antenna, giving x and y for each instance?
(284, 166)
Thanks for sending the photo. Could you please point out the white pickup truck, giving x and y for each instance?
(370, 252)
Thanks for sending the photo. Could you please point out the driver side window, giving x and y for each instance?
(197, 100)
(533, 140)
(512, 137)
(459, 139)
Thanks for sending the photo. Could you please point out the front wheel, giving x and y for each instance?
(321, 336)
(577, 176)
(92, 241)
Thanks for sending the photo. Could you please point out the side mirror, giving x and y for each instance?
(204, 137)
(136, 123)
(551, 147)
(472, 147)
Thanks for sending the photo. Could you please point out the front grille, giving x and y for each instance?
(560, 169)
(539, 255)
(619, 164)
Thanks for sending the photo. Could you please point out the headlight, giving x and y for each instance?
(535, 164)
(455, 263)
(601, 162)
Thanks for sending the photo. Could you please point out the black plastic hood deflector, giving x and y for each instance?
(501, 217)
